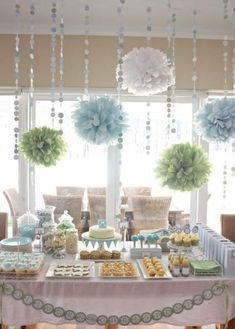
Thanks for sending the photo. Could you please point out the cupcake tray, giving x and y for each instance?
(180, 248)
(15, 258)
(147, 276)
(71, 270)
(20, 274)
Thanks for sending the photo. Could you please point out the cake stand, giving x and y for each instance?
(192, 251)
(101, 242)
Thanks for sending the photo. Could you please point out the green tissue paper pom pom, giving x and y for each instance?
(43, 146)
(183, 167)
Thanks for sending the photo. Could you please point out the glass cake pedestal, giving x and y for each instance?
(101, 242)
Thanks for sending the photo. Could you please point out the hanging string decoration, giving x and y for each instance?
(172, 87)
(97, 120)
(17, 79)
(148, 104)
(183, 167)
(120, 46)
(233, 55)
(216, 121)
(194, 54)
(86, 49)
(169, 62)
(61, 82)
(53, 61)
(146, 71)
(31, 57)
(43, 146)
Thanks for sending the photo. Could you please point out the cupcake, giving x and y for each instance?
(186, 241)
(178, 240)
(194, 239)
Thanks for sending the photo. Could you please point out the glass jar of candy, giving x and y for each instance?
(58, 244)
(65, 222)
(71, 241)
(27, 224)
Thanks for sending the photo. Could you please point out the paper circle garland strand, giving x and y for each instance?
(146, 71)
(99, 120)
(216, 121)
(43, 146)
(183, 167)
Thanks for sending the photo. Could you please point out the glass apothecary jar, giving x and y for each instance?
(71, 241)
(65, 222)
(47, 240)
(27, 224)
(46, 217)
(59, 241)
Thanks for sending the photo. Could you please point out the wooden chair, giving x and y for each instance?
(12, 198)
(149, 213)
(3, 225)
(228, 226)
(70, 190)
(96, 190)
(97, 207)
(72, 203)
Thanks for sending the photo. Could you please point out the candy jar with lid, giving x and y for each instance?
(46, 217)
(27, 224)
(65, 221)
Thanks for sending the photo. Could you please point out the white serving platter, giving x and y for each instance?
(71, 270)
(137, 273)
(156, 277)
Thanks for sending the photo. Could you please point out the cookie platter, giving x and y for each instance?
(71, 270)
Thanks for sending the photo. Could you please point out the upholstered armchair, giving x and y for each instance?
(149, 213)
(97, 207)
(12, 197)
(70, 190)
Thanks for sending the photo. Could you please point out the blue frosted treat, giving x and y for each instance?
(141, 239)
(134, 238)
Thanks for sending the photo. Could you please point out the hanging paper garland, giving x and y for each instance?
(43, 146)
(183, 167)
(146, 71)
(216, 121)
(99, 120)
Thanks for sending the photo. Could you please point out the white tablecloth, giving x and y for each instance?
(129, 301)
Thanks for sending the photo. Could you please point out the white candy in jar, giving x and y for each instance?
(71, 241)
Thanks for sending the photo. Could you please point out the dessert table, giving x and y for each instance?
(125, 301)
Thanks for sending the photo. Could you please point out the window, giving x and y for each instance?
(86, 165)
(138, 167)
(9, 167)
(83, 165)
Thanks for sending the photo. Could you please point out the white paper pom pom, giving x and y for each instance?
(146, 72)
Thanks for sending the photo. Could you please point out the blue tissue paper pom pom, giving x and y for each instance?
(216, 121)
(99, 120)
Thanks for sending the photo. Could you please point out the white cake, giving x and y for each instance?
(97, 232)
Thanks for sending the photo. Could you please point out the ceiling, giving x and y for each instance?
(104, 17)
